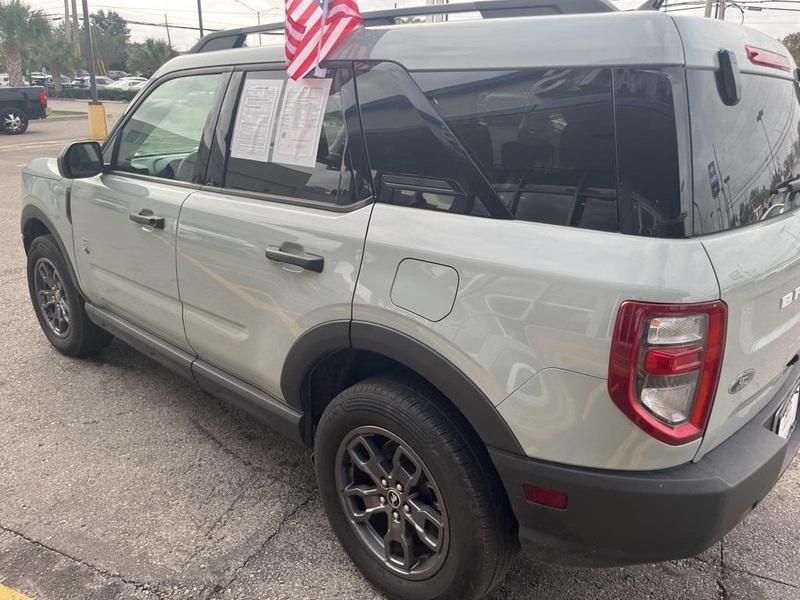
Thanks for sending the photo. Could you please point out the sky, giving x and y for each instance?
(225, 14)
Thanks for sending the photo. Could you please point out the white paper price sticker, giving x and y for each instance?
(300, 122)
(255, 118)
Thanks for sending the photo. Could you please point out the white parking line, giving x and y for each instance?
(32, 146)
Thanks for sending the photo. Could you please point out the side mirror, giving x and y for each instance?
(80, 160)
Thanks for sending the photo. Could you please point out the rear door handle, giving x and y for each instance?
(146, 217)
(291, 254)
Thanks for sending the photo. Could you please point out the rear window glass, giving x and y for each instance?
(544, 139)
(741, 152)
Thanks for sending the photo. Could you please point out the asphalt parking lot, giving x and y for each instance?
(119, 480)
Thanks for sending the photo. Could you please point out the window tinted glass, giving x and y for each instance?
(741, 152)
(543, 138)
(649, 173)
(163, 135)
(337, 177)
(414, 157)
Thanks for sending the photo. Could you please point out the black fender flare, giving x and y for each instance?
(31, 213)
(325, 339)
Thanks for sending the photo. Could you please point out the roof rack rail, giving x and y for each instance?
(489, 9)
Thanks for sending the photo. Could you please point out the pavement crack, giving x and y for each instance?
(148, 587)
(263, 545)
(764, 577)
(219, 443)
(222, 518)
(230, 508)
(725, 568)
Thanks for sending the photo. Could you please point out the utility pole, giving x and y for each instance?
(87, 30)
(98, 124)
(76, 29)
(709, 5)
(67, 27)
(200, 16)
(166, 24)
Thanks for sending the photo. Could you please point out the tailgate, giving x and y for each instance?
(741, 153)
(756, 267)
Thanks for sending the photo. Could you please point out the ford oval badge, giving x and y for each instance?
(741, 381)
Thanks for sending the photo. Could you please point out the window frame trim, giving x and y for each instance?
(224, 132)
(113, 139)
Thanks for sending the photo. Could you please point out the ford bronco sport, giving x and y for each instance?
(537, 282)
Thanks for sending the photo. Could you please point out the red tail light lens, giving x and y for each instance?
(664, 367)
(43, 98)
(766, 58)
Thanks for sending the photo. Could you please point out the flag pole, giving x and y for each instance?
(319, 71)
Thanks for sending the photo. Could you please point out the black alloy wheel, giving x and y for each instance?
(51, 297)
(392, 502)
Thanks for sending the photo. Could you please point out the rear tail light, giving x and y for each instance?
(664, 367)
(766, 58)
(43, 98)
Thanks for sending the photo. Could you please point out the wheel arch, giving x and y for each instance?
(35, 223)
(333, 356)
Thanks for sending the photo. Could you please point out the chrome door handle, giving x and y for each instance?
(289, 254)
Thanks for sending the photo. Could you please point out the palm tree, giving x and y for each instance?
(57, 55)
(20, 29)
(149, 56)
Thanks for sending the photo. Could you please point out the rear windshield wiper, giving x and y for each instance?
(787, 186)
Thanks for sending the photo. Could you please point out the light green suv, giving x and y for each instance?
(523, 279)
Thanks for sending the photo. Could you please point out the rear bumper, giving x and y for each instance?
(620, 517)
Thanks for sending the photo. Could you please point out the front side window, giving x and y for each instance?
(543, 138)
(162, 136)
(297, 166)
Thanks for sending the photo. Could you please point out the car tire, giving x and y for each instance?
(13, 121)
(449, 533)
(58, 304)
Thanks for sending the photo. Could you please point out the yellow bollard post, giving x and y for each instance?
(98, 122)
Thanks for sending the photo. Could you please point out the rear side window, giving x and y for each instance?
(741, 152)
(648, 155)
(332, 177)
(544, 139)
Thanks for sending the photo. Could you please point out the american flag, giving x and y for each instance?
(313, 28)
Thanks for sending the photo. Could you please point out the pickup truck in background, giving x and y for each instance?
(20, 105)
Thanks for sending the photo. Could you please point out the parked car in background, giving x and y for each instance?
(128, 83)
(84, 82)
(117, 75)
(5, 80)
(19, 105)
(41, 79)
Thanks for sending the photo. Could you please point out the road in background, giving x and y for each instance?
(120, 480)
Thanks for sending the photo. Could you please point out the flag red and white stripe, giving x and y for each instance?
(313, 28)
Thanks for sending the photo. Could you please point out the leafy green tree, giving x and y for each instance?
(57, 55)
(792, 42)
(111, 37)
(149, 55)
(21, 30)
